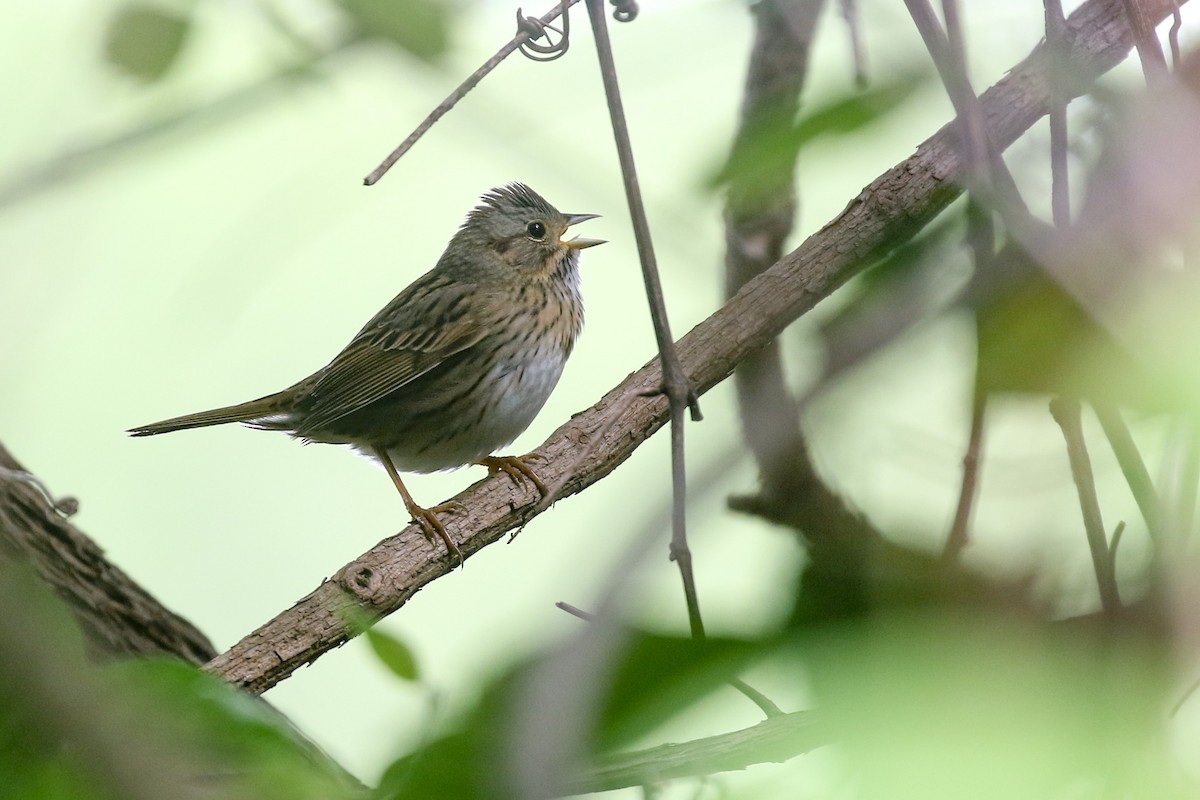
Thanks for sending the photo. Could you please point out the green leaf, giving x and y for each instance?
(656, 677)
(422, 27)
(391, 652)
(394, 654)
(767, 150)
(145, 41)
(235, 730)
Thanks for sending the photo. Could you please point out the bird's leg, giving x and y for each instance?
(425, 517)
(516, 468)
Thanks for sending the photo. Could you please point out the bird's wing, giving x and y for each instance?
(427, 323)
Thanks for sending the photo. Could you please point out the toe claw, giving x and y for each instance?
(431, 526)
(516, 468)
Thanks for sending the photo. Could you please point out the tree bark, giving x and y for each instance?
(118, 617)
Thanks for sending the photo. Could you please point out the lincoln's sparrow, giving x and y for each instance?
(457, 365)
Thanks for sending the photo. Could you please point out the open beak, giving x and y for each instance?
(579, 243)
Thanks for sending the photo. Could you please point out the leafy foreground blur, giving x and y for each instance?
(936, 686)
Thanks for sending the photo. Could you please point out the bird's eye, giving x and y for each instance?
(536, 230)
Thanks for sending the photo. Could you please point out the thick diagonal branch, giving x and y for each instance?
(118, 617)
(887, 212)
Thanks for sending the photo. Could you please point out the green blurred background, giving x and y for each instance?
(227, 255)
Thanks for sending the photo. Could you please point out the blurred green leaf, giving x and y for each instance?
(770, 142)
(390, 650)
(459, 765)
(951, 703)
(145, 41)
(32, 767)
(421, 27)
(1035, 338)
(656, 677)
(262, 754)
(394, 654)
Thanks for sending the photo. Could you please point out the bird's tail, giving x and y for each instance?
(261, 411)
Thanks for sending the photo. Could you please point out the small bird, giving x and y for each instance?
(456, 366)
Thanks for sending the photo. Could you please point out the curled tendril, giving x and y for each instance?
(625, 10)
(537, 29)
(65, 506)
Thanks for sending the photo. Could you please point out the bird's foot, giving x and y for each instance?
(516, 468)
(432, 526)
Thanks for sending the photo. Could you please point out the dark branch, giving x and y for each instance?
(1067, 414)
(774, 740)
(117, 616)
(758, 219)
(675, 383)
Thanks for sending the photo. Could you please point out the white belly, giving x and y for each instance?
(519, 389)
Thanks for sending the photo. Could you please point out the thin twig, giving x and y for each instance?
(764, 703)
(525, 34)
(1060, 180)
(981, 236)
(1114, 543)
(958, 79)
(849, 10)
(948, 51)
(574, 611)
(1154, 64)
(676, 384)
(990, 182)
(1068, 415)
(1132, 467)
(960, 529)
(1173, 35)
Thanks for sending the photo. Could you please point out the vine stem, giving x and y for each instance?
(675, 383)
(524, 35)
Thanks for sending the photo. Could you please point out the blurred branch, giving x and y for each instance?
(1059, 177)
(960, 528)
(887, 212)
(1141, 485)
(1154, 65)
(849, 11)
(117, 616)
(758, 219)
(984, 165)
(774, 740)
(1067, 413)
(82, 160)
